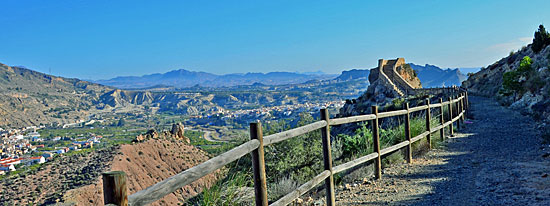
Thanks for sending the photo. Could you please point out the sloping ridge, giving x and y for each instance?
(146, 164)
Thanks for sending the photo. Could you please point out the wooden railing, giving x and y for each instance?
(114, 187)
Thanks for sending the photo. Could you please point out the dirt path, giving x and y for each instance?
(496, 160)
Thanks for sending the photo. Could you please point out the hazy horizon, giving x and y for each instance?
(103, 39)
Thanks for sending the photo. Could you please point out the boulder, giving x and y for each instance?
(178, 132)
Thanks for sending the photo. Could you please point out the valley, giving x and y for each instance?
(302, 103)
(47, 125)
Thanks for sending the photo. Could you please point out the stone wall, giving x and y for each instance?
(390, 80)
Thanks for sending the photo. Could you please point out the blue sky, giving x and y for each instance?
(104, 39)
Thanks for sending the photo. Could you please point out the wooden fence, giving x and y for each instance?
(114, 183)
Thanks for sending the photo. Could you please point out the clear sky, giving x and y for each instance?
(103, 39)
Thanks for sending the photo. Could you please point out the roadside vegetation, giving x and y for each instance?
(292, 162)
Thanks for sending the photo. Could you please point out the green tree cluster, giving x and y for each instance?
(541, 40)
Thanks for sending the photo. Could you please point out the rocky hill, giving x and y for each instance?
(520, 80)
(145, 164)
(76, 177)
(29, 98)
(183, 78)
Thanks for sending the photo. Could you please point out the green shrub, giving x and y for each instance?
(511, 80)
(358, 144)
(510, 83)
(296, 157)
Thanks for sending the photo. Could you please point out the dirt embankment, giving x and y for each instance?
(148, 163)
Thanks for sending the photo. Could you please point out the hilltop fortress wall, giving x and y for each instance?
(391, 79)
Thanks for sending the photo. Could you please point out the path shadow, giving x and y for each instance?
(454, 184)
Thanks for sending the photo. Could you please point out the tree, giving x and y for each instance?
(541, 40)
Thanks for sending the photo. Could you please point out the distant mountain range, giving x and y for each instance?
(33, 98)
(353, 74)
(429, 75)
(183, 78)
(433, 76)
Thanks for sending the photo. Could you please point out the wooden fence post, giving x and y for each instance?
(408, 133)
(327, 158)
(428, 118)
(462, 109)
(451, 132)
(457, 105)
(467, 101)
(441, 120)
(258, 164)
(468, 105)
(376, 144)
(114, 188)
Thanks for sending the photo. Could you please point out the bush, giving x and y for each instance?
(511, 80)
(358, 144)
(296, 157)
(282, 188)
(510, 83)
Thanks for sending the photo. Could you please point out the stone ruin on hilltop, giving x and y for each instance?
(392, 78)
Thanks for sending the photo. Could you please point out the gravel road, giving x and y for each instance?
(498, 159)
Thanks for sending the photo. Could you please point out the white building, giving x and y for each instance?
(4, 167)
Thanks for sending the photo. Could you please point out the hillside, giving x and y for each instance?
(521, 80)
(183, 78)
(76, 178)
(34, 98)
(146, 164)
(47, 184)
(31, 98)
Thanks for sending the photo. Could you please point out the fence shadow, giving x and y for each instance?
(452, 184)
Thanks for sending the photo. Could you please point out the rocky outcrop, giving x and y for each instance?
(177, 132)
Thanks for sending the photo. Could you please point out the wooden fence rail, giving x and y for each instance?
(115, 188)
